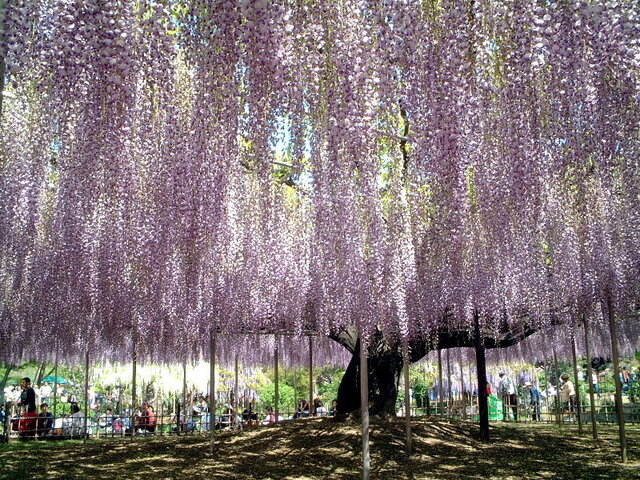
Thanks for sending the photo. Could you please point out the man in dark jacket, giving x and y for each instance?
(28, 396)
(27, 404)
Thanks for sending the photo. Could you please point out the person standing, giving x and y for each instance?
(594, 378)
(508, 392)
(568, 396)
(27, 405)
(27, 396)
(45, 392)
(534, 401)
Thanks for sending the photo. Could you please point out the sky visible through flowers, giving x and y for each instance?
(167, 167)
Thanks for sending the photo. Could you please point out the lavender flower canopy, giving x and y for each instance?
(167, 167)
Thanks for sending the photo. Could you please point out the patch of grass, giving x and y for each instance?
(326, 449)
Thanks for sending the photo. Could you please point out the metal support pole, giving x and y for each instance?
(295, 391)
(546, 386)
(449, 399)
(185, 422)
(577, 383)
(277, 385)
(407, 395)
(212, 390)
(134, 386)
(462, 393)
(235, 395)
(558, 406)
(311, 406)
(364, 410)
(7, 420)
(441, 384)
(587, 344)
(86, 394)
(161, 410)
(616, 370)
(55, 385)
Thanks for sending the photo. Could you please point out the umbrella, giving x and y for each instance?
(52, 379)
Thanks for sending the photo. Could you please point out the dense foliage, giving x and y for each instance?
(440, 157)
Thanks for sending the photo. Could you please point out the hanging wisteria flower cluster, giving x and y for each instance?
(170, 167)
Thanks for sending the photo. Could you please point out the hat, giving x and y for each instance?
(527, 384)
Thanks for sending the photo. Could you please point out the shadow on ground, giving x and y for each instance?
(326, 449)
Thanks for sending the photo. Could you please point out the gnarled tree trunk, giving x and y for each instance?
(384, 365)
(385, 362)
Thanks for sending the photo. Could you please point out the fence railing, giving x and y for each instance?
(548, 410)
(30, 426)
(465, 407)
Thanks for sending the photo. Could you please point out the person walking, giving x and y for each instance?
(508, 392)
(534, 401)
(568, 396)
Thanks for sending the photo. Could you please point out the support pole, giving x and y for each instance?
(577, 384)
(592, 407)
(7, 420)
(546, 386)
(407, 395)
(161, 410)
(277, 385)
(55, 385)
(184, 397)
(462, 393)
(558, 406)
(134, 386)
(86, 395)
(449, 394)
(311, 406)
(212, 389)
(616, 370)
(481, 367)
(364, 410)
(295, 392)
(235, 395)
(441, 383)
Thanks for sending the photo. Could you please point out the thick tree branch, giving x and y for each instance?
(403, 140)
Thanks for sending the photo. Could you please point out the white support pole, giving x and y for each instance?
(449, 394)
(86, 394)
(212, 389)
(134, 387)
(311, 406)
(184, 398)
(440, 384)
(578, 403)
(277, 385)
(592, 400)
(235, 396)
(55, 385)
(462, 392)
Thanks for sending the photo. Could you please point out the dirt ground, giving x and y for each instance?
(325, 449)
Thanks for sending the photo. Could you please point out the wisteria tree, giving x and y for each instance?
(434, 173)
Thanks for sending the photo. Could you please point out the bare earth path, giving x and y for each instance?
(324, 449)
